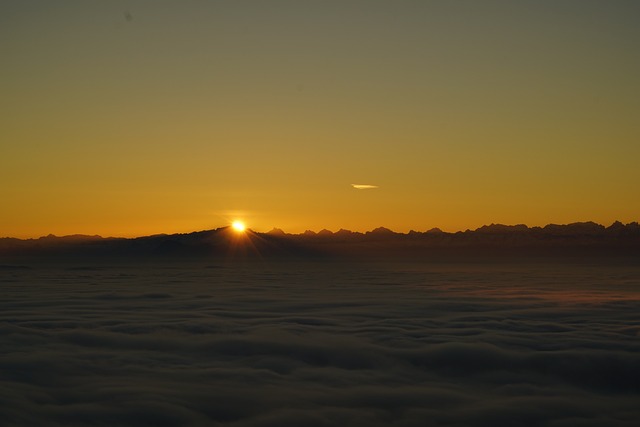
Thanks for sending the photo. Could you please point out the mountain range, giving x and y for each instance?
(580, 238)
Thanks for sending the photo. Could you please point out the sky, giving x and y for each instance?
(127, 118)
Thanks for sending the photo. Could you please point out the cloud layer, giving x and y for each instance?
(320, 345)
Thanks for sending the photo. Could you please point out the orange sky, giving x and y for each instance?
(136, 117)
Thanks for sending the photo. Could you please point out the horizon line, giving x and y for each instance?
(322, 230)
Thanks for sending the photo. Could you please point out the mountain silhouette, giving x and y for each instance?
(224, 243)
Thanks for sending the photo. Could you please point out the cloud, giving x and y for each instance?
(319, 344)
(364, 186)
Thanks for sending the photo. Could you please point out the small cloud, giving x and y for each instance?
(364, 186)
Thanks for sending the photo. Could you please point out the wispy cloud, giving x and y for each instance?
(364, 186)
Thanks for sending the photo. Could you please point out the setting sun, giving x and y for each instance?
(238, 226)
(377, 212)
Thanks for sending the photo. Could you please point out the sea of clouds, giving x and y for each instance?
(320, 344)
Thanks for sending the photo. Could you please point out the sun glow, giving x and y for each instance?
(238, 226)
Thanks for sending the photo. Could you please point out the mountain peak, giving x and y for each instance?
(435, 230)
(380, 230)
(276, 232)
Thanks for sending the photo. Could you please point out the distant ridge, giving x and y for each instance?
(575, 228)
(574, 238)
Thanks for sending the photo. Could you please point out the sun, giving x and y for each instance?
(238, 226)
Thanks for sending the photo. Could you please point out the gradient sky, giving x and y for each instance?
(135, 117)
